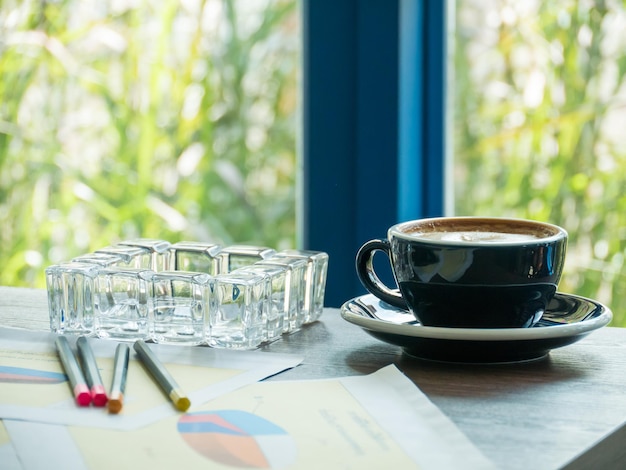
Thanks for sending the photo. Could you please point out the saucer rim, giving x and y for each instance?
(478, 334)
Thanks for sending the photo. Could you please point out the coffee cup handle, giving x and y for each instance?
(369, 278)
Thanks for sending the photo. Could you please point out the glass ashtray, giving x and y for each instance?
(192, 293)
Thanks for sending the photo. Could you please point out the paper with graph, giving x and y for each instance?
(377, 421)
(33, 385)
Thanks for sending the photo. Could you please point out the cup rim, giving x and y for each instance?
(397, 231)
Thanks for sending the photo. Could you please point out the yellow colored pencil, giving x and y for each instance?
(162, 376)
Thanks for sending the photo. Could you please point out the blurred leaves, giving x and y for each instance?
(122, 119)
(540, 102)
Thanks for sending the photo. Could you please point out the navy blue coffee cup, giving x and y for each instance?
(469, 272)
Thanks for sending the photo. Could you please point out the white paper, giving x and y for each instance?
(376, 421)
(41, 446)
(421, 429)
(8, 458)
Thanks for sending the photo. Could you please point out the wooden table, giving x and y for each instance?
(564, 411)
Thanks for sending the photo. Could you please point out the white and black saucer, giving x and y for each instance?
(567, 319)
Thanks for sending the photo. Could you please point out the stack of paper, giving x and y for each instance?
(235, 421)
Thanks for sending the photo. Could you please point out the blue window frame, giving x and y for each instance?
(374, 125)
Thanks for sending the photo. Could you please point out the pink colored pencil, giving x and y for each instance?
(73, 372)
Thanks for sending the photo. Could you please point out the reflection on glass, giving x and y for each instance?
(181, 306)
(122, 303)
(195, 256)
(240, 301)
(71, 297)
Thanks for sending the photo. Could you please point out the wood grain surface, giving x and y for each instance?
(566, 410)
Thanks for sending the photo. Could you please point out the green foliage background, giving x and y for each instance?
(540, 102)
(120, 119)
(177, 120)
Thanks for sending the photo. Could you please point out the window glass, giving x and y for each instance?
(540, 106)
(123, 119)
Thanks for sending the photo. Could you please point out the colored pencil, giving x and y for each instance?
(162, 376)
(73, 372)
(92, 374)
(118, 385)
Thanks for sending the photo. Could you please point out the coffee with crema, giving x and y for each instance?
(477, 237)
(478, 231)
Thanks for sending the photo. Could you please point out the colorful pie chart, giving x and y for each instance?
(20, 375)
(238, 438)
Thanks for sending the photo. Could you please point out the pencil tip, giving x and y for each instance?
(115, 406)
(179, 399)
(83, 398)
(183, 404)
(99, 396)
